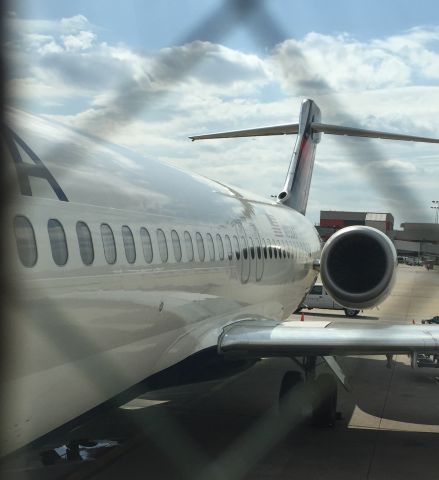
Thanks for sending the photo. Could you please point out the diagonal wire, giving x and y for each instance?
(267, 431)
(217, 24)
(265, 29)
(390, 183)
(365, 154)
(132, 97)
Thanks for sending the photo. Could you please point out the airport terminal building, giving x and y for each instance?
(414, 239)
(418, 239)
(333, 220)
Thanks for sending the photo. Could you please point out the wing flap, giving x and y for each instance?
(250, 339)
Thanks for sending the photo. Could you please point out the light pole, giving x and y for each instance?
(435, 207)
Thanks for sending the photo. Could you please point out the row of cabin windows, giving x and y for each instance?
(27, 247)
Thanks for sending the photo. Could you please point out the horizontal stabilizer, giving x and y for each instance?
(253, 132)
(293, 128)
(263, 340)
(359, 132)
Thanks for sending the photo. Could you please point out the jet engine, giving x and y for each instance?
(358, 266)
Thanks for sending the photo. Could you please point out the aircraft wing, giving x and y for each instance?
(265, 339)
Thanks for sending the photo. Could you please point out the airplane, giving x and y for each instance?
(121, 267)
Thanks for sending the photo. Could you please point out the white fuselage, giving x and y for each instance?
(77, 334)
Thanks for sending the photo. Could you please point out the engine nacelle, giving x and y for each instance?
(358, 266)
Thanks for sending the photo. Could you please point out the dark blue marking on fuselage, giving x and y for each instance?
(26, 170)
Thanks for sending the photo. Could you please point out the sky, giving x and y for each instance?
(146, 75)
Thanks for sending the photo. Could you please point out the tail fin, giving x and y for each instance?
(296, 188)
(309, 129)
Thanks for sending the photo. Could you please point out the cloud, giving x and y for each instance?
(75, 23)
(125, 82)
(80, 41)
(22, 26)
(126, 79)
(325, 63)
(393, 163)
(151, 101)
(418, 48)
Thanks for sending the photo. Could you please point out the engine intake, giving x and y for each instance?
(358, 266)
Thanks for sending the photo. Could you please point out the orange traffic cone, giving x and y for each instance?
(302, 317)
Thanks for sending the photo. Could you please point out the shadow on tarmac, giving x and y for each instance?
(216, 431)
(230, 428)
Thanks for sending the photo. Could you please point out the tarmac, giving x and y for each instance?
(388, 426)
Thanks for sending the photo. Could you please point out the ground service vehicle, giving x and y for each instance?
(318, 297)
(431, 321)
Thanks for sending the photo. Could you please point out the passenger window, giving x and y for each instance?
(244, 249)
(176, 245)
(128, 243)
(200, 246)
(229, 248)
(146, 245)
(189, 246)
(284, 251)
(58, 242)
(163, 246)
(237, 248)
(108, 243)
(270, 249)
(258, 248)
(210, 247)
(317, 290)
(252, 247)
(85, 243)
(220, 246)
(264, 247)
(25, 240)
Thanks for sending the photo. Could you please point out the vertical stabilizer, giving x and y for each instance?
(296, 188)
